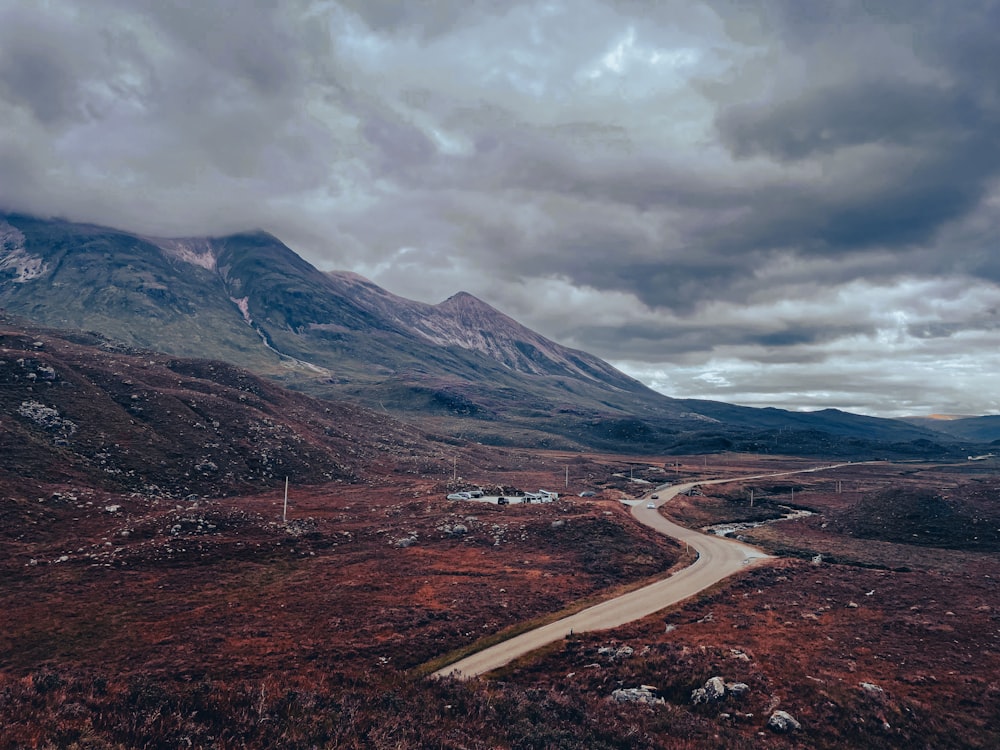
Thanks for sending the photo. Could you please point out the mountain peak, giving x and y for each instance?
(462, 298)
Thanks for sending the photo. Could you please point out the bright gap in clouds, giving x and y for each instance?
(862, 374)
(919, 347)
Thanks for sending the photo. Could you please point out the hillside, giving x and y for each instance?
(80, 409)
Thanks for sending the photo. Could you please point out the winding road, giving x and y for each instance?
(718, 557)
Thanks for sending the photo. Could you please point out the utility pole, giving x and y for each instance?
(751, 497)
(567, 477)
(284, 510)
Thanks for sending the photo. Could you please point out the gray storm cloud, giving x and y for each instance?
(729, 200)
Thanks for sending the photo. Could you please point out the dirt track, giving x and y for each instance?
(718, 558)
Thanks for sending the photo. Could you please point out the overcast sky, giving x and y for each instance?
(791, 203)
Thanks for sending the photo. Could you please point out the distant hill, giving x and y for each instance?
(459, 368)
(973, 429)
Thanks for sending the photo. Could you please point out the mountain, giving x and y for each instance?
(459, 367)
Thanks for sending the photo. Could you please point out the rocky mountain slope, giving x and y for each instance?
(459, 367)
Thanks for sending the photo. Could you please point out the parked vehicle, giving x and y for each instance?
(650, 505)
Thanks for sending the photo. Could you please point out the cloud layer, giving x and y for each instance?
(779, 203)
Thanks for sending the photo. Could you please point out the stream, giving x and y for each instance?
(727, 529)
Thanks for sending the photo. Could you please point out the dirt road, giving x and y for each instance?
(718, 557)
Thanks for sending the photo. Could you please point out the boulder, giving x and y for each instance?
(782, 721)
(737, 689)
(715, 689)
(871, 688)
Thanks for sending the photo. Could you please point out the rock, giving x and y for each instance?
(698, 696)
(636, 695)
(852, 605)
(715, 689)
(558, 524)
(622, 652)
(782, 721)
(737, 689)
(871, 688)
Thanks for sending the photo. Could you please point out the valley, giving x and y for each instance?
(137, 622)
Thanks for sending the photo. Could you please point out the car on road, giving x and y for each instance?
(502, 501)
(655, 497)
(650, 505)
